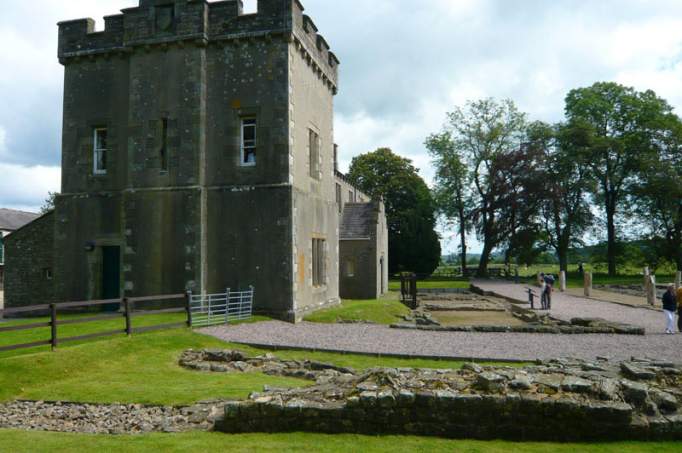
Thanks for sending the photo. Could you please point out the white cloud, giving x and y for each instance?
(3, 141)
(404, 64)
(27, 187)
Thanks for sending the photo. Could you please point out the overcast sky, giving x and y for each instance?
(404, 64)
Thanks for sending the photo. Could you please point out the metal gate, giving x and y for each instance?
(213, 309)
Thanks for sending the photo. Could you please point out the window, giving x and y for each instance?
(163, 151)
(339, 202)
(100, 151)
(319, 265)
(350, 268)
(314, 150)
(248, 142)
(2, 250)
(350, 196)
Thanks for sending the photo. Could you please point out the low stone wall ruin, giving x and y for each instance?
(558, 400)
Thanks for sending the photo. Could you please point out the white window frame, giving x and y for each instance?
(243, 146)
(97, 151)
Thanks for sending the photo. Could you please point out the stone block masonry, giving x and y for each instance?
(557, 400)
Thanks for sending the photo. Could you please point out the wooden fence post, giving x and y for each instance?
(53, 326)
(188, 308)
(129, 321)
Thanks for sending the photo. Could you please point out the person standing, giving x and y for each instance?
(679, 309)
(669, 308)
(549, 287)
(543, 289)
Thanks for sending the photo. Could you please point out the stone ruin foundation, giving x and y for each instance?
(556, 400)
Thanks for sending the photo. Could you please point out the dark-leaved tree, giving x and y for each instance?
(413, 243)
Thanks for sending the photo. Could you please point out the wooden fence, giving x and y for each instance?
(128, 312)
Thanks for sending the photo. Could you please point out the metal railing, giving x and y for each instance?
(213, 309)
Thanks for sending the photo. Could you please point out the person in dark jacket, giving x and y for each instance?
(669, 308)
(679, 309)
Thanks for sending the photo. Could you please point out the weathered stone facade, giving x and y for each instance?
(198, 155)
(363, 251)
(30, 264)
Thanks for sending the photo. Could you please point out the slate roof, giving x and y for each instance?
(12, 220)
(358, 221)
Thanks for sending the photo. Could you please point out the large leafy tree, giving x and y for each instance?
(451, 192)
(618, 126)
(657, 194)
(565, 213)
(410, 211)
(490, 137)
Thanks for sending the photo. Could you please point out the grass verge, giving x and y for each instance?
(386, 310)
(20, 442)
(144, 369)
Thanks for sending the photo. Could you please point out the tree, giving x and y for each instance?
(451, 192)
(490, 136)
(657, 193)
(410, 212)
(565, 208)
(48, 204)
(619, 125)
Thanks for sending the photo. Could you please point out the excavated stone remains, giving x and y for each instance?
(108, 418)
(558, 400)
(535, 322)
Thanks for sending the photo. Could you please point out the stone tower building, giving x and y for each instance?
(198, 154)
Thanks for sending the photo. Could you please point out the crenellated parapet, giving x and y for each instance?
(164, 23)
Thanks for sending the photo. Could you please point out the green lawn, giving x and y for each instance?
(19, 442)
(386, 310)
(434, 283)
(144, 369)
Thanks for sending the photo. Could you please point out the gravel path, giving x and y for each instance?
(566, 306)
(523, 346)
(383, 340)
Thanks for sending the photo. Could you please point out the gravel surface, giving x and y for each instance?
(566, 306)
(383, 340)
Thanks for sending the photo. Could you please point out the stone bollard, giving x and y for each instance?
(651, 290)
(588, 284)
(646, 277)
(562, 281)
(678, 281)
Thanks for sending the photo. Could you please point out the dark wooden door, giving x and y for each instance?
(111, 273)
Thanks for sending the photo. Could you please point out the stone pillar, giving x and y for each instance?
(678, 280)
(588, 284)
(646, 277)
(651, 290)
(562, 281)
(538, 280)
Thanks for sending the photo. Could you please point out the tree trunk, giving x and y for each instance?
(611, 235)
(485, 258)
(563, 259)
(463, 237)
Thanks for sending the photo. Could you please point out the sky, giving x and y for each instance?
(404, 65)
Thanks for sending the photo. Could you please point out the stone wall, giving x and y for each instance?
(557, 400)
(29, 264)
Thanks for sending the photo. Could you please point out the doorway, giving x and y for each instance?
(111, 275)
